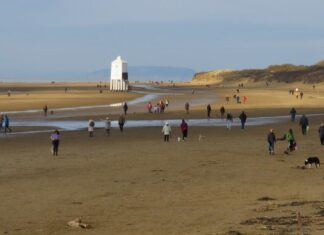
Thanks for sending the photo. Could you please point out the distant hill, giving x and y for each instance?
(136, 73)
(282, 73)
(148, 73)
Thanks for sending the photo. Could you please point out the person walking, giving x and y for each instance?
(293, 114)
(149, 107)
(227, 99)
(222, 111)
(243, 118)
(125, 108)
(55, 137)
(167, 103)
(166, 130)
(229, 121)
(292, 145)
(184, 129)
(107, 126)
(91, 125)
(7, 124)
(208, 110)
(187, 107)
(321, 133)
(303, 122)
(121, 122)
(238, 99)
(45, 108)
(1, 122)
(244, 99)
(271, 141)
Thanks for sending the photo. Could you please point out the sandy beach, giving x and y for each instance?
(133, 183)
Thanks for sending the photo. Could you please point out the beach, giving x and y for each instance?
(131, 182)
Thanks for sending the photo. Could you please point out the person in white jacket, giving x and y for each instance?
(166, 130)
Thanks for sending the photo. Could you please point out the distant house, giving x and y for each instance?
(119, 75)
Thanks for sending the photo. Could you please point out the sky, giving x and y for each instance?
(74, 37)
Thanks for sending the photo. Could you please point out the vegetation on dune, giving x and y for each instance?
(281, 73)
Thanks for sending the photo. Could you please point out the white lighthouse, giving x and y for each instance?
(119, 75)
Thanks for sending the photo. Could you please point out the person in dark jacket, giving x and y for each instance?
(321, 133)
(271, 141)
(208, 110)
(243, 118)
(222, 111)
(1, 122)
(125, 108)
(121, 122)
(7, 124)
(187, 107)
(293, 114)
(184, 129)
(303, 122)
(229, 121)
(45, 108)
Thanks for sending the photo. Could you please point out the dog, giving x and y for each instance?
(312, 160)
(201, 137)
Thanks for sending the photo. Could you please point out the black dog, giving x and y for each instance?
(312, 160)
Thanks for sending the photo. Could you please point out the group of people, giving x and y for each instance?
(55, 136)
(297, 93)
(303, 121)
(290, 137)
(107, 125)
(5, 123)
(166, 130)
(229, 116)
(229, 120)
(159, 107)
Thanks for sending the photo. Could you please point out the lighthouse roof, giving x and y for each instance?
(119, 58)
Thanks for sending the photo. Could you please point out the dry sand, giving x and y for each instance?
(134, 183)
(26, 96)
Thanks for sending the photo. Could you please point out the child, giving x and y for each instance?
(289, 136)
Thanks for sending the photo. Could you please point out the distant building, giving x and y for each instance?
(119, 75)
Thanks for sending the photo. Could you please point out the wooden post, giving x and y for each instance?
(300, 223)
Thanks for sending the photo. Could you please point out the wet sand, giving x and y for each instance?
(134, 183)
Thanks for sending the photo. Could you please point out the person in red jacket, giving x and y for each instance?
(184, 129)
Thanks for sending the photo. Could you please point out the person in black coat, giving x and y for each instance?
(243, 118)
(222, 111)
(293, 114)
(208, 110)
(271, 138)
(303, 122)
(121, 122)
(321, 133)
(125, 108)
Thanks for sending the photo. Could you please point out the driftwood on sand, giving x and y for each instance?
(77, 223)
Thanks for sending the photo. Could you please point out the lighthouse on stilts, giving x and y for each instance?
(119, 75)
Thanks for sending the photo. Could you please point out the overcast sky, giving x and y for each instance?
(77, 36)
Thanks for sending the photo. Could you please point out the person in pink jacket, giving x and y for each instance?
(184, 129)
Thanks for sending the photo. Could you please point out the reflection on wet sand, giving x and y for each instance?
(72, 125)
